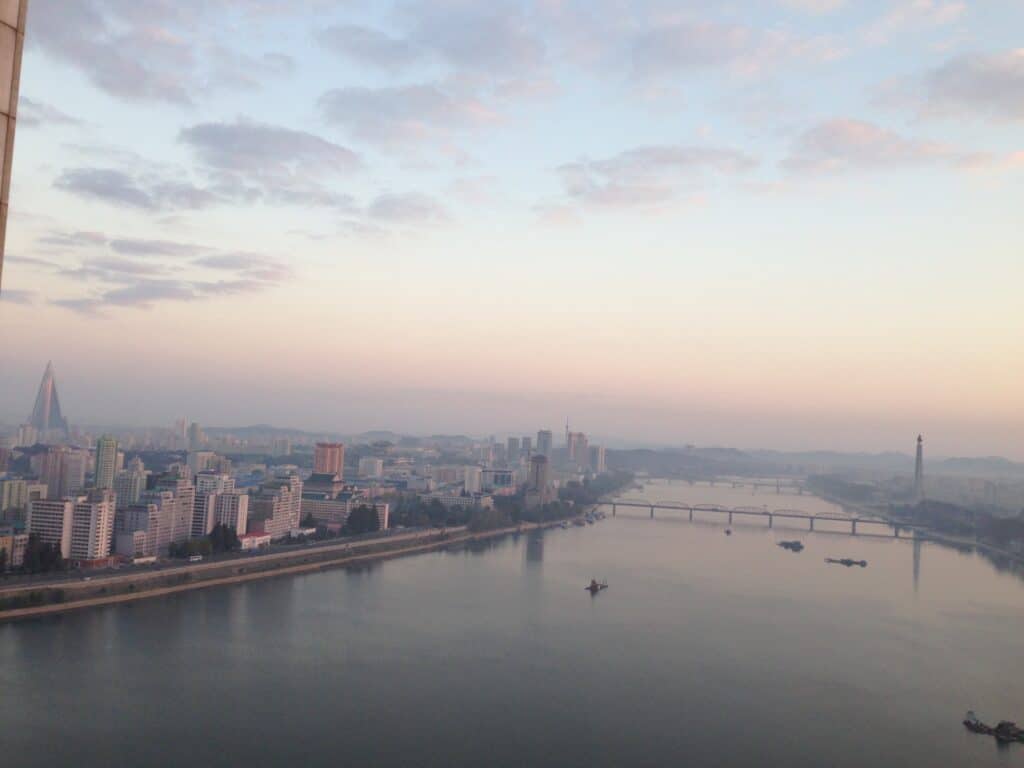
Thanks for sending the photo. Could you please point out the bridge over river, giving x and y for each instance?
(856, 524)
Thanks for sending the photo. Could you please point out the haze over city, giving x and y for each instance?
(788, 224)
(511, 383)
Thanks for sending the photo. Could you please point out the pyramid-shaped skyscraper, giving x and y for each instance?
(46, 415)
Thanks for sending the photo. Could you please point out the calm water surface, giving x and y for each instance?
(707, 650)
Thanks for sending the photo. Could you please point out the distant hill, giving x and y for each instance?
(984, 466)
(890, 461)
(258, 430)
(721, 461)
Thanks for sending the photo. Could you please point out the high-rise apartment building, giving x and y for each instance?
(76, 462)
(51, 520)
(498, 481)
(578, 451)
(512, 450)
(15, 494)
(232, 509)
(539, 476)
(175, 498)
(538, 486)
(143, 529)
(163, 516)
(277, 507)
(82, 526)
(485, 452)
(27, 436)
(196, 438)
(129, 485)
(526, 446)
(62, 469)
(217, 501)
(49, 468)
(200, 461)
(472, 479)
(203, 514)
(213, 482)
(545, 442)
(329, 459)
(106, 462)
(92, 526)
(598, 461)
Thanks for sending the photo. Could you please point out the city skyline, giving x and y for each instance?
(330, 456)
(787, 225)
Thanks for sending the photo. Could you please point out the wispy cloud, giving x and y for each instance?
(990, 85)
(846, 145)
(158, 248)
(79, 239)
(36, 113)
(408, 208)
(13, 296)
(421, 114)
(148, 50)
(246, 159)
(248, 266)
(669, 50)
(239, 162)
(143, 192)
(813, 6)
(370, 46)
(649, 175)
(111, 272)
(495, 39)
(914, 14)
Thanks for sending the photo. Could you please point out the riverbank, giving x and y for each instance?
(985, 548)
(34, 601)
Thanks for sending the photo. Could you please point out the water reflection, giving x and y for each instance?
(535, 547)
(917, 563)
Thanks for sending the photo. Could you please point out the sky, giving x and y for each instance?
(786, 224)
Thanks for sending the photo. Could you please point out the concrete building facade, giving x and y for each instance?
(329, 459)
(106, 463)
(51, 520)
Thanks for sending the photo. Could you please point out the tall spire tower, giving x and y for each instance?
(919, 472)
(46, 415)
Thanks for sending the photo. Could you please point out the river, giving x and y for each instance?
(706, 650)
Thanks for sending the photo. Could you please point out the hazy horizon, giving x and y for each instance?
(788, 225)
(478, 415)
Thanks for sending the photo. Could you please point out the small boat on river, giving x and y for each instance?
(1005, 731)
(847, 562)
(792, 546)
(593, 587)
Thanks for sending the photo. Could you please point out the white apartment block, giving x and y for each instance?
(51, 521)
(92, 526)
